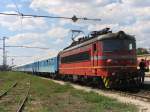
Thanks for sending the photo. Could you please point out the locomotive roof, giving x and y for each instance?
(110, 35)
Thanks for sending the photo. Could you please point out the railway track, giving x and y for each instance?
(14, 99)
(5, 92)
(145, 95)
(141, 95)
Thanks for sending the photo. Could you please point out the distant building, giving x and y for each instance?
(148, 50)
(146, 57)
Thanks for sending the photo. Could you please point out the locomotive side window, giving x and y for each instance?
(76, 57)
(94, 47)
(130, 46)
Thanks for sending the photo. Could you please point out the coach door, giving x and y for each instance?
(94, 55)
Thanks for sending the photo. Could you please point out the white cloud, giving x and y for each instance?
(57, 32)
(62, 7)
(12, 6)
(58, 41)
(25, 38)
(14, 23)
(137, 3)
(32, 40)
(101, 26)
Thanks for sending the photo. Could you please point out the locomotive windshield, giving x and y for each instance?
(117, 45)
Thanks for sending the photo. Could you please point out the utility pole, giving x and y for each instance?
(12, 62)
(4, 52)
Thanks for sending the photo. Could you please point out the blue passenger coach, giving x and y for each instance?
(49, 65)
(46, 66)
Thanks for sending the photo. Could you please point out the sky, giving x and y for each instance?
(131, 16)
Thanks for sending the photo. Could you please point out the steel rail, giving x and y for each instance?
(140, 96)
(20, 107)
(135, 95)
(5, 92)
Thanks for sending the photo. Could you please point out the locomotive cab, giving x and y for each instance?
(119, 53)
(119, 60)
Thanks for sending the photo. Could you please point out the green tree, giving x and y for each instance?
(141, 51)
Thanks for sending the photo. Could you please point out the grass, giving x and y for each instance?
(47, 96)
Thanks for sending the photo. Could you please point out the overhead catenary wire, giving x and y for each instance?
(20, 56)
(74, 18)
(44, 48)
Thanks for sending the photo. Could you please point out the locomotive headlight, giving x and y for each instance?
(109, 60)
(113, 73)
(112, 61)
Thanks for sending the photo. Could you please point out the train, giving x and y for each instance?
(105, 58)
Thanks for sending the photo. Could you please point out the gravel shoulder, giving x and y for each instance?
(143, 106)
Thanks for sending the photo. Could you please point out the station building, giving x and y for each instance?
(146, 57)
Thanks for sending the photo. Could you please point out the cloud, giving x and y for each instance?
(25, 38)
(57, 32)
(137, 3)
(62, 7)
(32, 40)
(54, 35)
(12, 6)
(58, 41)
(14, 23)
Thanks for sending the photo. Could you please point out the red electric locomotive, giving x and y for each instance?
(106, 58)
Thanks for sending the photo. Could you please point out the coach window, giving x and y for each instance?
(47, 62)
(94, 47)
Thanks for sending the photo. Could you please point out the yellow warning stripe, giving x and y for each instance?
(99, 67)
(106, 82)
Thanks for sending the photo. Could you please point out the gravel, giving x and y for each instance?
(142, 105)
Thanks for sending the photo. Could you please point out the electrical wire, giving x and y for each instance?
(20, 56)
(74, 18)
(29, 47)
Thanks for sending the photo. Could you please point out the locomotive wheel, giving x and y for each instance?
(100, 83)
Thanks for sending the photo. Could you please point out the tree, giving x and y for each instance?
(141, 51)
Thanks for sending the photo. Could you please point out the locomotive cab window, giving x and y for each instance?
(113, 45)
